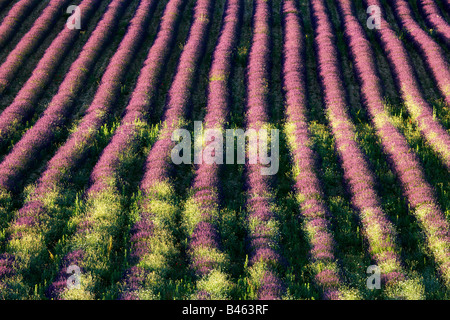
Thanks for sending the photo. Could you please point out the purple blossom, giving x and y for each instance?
(329, 277)
(356, 169)
(32, 38)
(271, 287)
(25, 101)
(307, 183)
(71, 152)
(435, 19)
(57, 288)
(157, 164)
(433, 132)
(41, 135)
(263, 246)
(7, 265)
(418, 191)
(433, 54)
(15, 16)
(125, 138)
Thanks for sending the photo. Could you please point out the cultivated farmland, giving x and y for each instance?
(119, 179)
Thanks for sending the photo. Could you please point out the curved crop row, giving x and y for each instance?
(124, 142)
(418, 192)
(28, 149)
(378, 230)
(24, 103)
(125, 139)
(419, 109)
(261, 218)
(307, 186)
(103, 214)
(202, 212)
(30, 41)
(431, 51)
(104, 188)
(153, 243)
(15, 16)
(435, 20)
(26, 235)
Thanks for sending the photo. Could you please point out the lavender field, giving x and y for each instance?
(346, 197)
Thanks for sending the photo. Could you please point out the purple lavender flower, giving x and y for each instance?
(15, 16)
(25, 101)
(433, 132)
(263, 242)
(433, 54)
(157, 164)
(418, 191)
(435, 20)
(31, 39)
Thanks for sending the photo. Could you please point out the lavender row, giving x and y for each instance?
(125, 139)
(15, 16)
(25, 101)
(95, 224)
(261, 215)
(419, 109)
(30, 41)
(201, 213)
(307, 186)
(41, 135)
(157, 208)
(431, 51)
(378, 230)
(27, 237)
(22, 102)
(434, 18)
(104, 192)
(102, 105)
(405, 163)
(124, 144)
